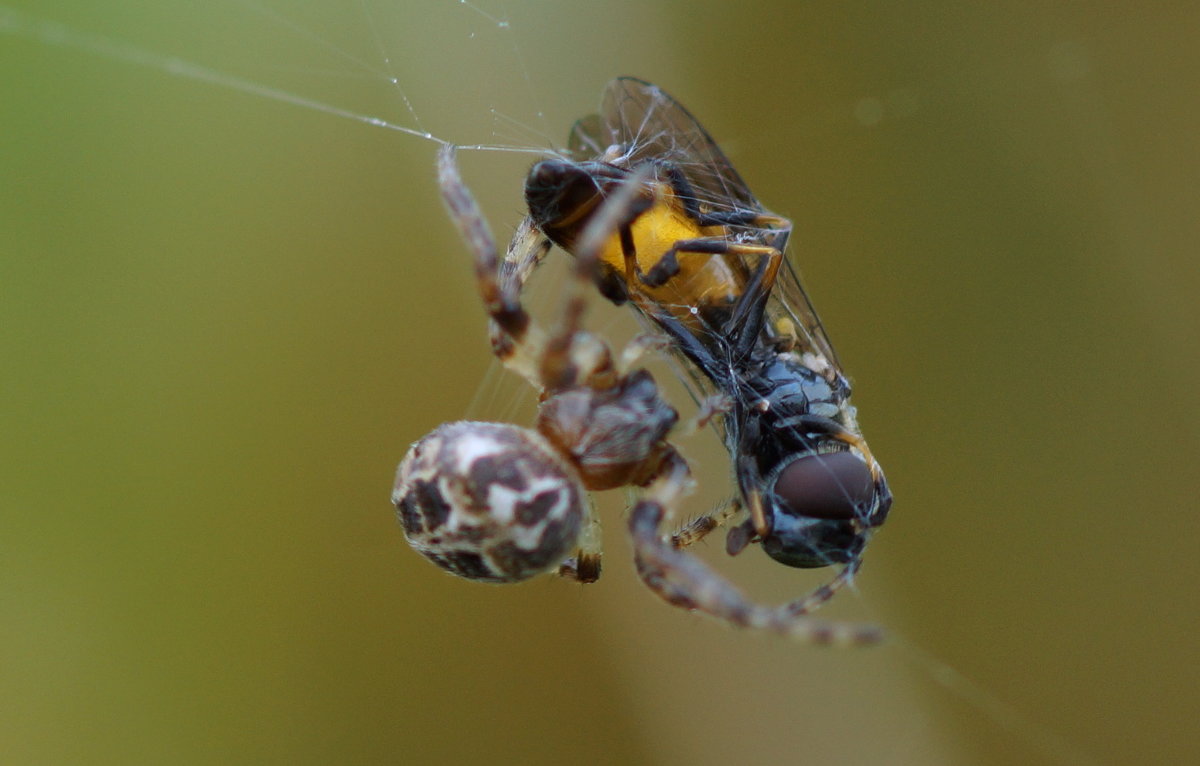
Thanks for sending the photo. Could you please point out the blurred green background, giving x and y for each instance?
(223, 319)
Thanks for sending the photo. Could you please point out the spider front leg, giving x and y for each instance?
(572, 355)
(517, 341)
(550, 362)
(685, 581)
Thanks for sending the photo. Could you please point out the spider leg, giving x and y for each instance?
(516, 340)
(641, 345)
(710, 407)
(573, 356)
(551, 362)
(684, 580)
(584, 566)
(525, 253)
(823, 593)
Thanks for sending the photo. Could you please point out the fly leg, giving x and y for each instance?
(667, 265)
(682, 188)
(697, 529)
(775, 231)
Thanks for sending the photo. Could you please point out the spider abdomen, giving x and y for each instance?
(489, 501)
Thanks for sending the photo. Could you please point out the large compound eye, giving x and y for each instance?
(488, 501)
(834, 485)
(813, 503)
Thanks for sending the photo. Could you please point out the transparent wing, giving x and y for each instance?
(644, 123)
(637, 123)
(788, 299)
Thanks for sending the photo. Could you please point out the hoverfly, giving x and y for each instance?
(703, 262)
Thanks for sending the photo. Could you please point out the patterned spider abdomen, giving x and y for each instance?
(489, 501)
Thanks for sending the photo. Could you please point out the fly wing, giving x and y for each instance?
(588, 139)
(789, 301)
(637, 123)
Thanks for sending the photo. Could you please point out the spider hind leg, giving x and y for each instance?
(686, 581)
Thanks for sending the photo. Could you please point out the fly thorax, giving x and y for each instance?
(790, 388)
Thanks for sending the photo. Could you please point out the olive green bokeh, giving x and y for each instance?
(225, 317)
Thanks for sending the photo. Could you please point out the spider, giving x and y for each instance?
(499, 503)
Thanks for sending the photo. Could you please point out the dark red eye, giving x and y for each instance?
(834, 485)
(817, 506)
